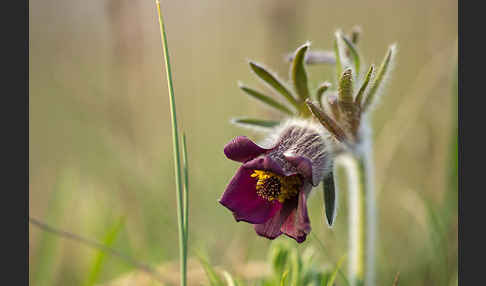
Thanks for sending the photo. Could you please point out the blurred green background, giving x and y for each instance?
(101, 149)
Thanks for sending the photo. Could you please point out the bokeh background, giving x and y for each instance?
(100, 142)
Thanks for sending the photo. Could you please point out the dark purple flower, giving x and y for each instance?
(271, 187)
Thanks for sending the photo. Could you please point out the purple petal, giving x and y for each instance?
(266, 163)
(242, 149)
(297, 224)
(271, 229)
(241, 198)
(304, 167)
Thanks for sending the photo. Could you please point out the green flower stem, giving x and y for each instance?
(177, 161)
(362, 217)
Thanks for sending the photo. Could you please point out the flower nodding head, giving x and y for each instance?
(271, 187)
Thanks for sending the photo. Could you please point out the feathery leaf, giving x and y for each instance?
(380, 76)
(298, 73)
(252, 122)
(337, 55)
(266, 99)
(345, 88)
(359, 97)
(342, 62)
(354, 53)
(321, 90)
(326, 121)
(272, 80)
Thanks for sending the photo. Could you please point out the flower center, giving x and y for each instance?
(271, 186)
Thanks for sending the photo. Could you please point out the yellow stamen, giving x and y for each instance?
(271, 186)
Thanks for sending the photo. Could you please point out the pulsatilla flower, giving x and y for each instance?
(271, 187)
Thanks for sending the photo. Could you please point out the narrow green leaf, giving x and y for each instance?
(359, 97)
(252, 122)
(354, 53)
(342, 62)
(100, 257)
(380, 76)
(326, 121)
(321, 90)
(337, 52)
(266, 99)
(330, 282)
(272, 80)
(329, 191)
(298, 73)
(345, 88)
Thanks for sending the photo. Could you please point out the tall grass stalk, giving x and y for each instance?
(186, 190)
(176, 152)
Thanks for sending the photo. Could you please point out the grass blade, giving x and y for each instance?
(43, 270)
(284, 278)
(299, 75)
(273, 82)
(266, 99)
(251, 122)
(324, 250)
(229, 279)
(96, 245)
(99, 260)
(186, 191)
(213, 277)
(176, 151)
(330, 282)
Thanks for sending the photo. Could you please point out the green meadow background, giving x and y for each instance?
(101, 149)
